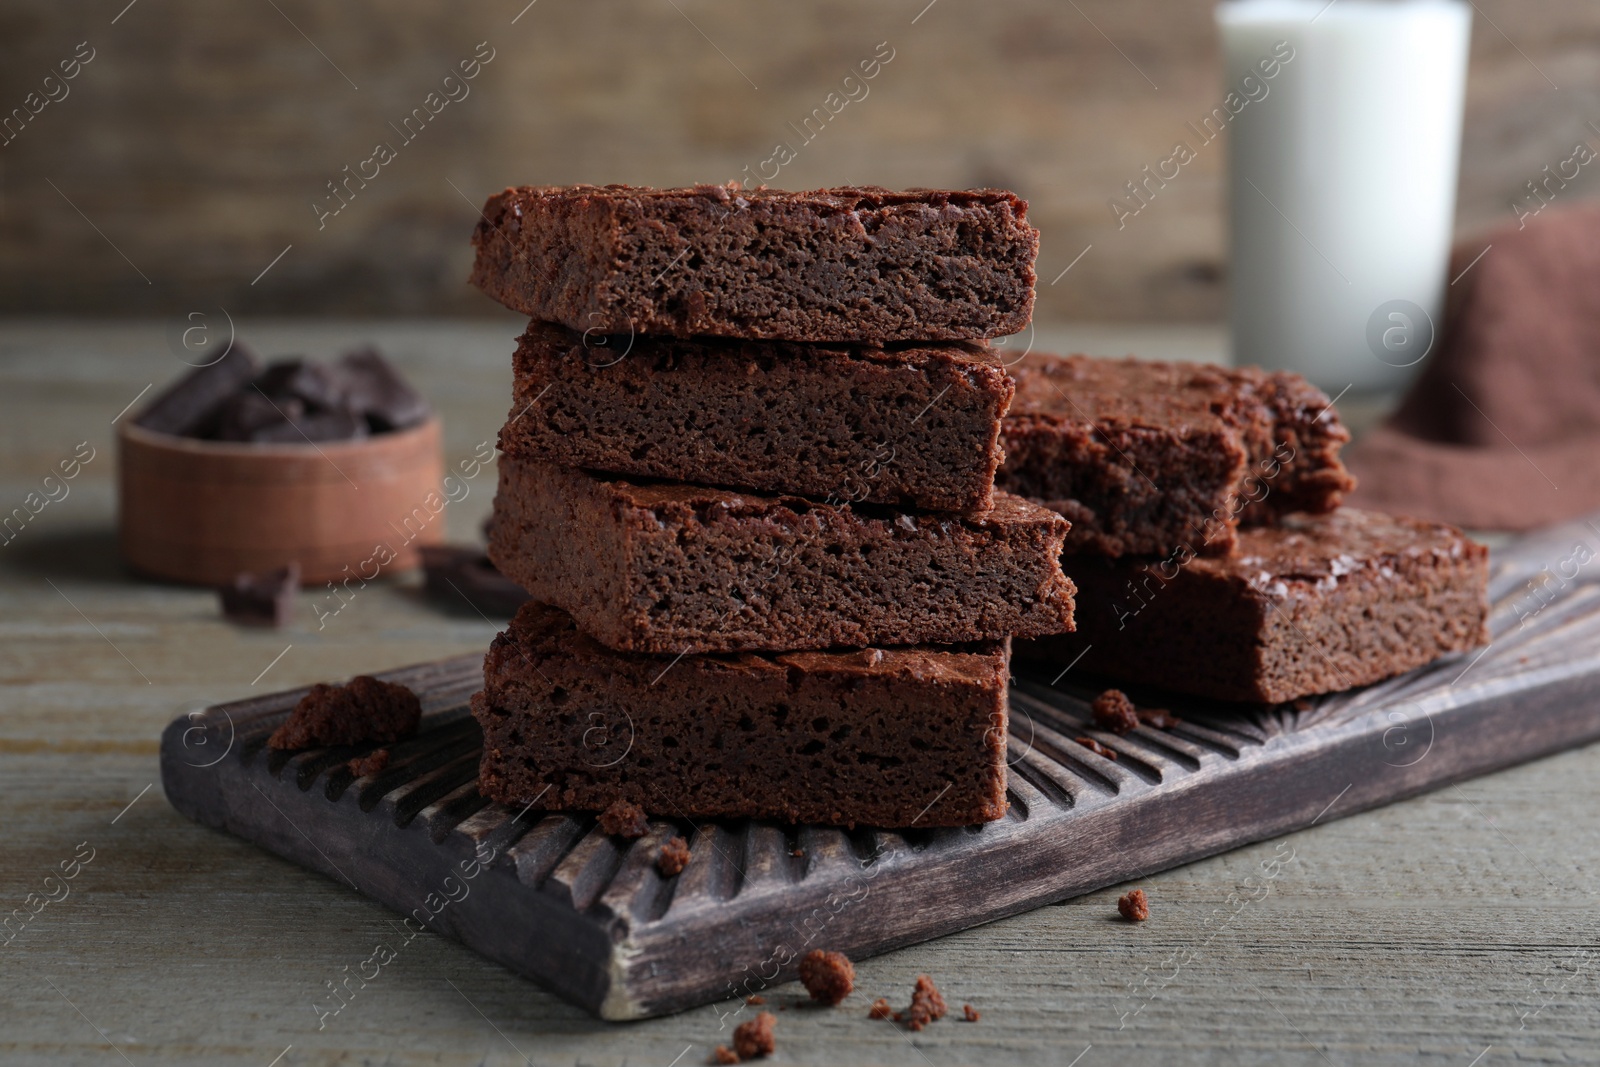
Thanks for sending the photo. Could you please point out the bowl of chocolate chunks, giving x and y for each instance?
(244, 466)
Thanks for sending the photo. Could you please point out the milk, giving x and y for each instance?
(1342, 183)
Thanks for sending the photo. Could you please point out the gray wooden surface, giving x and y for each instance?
(1429, 931)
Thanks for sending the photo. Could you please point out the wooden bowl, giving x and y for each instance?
(203, 511)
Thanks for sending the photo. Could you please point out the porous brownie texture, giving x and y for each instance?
(672, 568)
(1146, 457)
(878, 737)
(827, 976)
(1112, 710)
(847, 264)
(915, 426)
(927, 1005)
(755, 1038)
(674, 857)
(1318, 604)
(363, 709)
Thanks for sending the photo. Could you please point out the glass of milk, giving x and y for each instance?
(1342, 181)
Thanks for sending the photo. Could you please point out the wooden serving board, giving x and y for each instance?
(589, 917)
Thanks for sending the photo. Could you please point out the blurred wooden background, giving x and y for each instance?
(188, 151)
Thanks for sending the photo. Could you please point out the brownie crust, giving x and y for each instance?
(913, 426)
(673, 568)
(1145, 457)
(845, 264)
(1318, 604)
(877, 737)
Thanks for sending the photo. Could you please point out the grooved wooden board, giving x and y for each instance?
(589, 916)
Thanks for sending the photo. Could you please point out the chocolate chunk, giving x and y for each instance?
(340, 425)
(190, 404)
(374, 389)
(364, 709)
(318, 386)
(457, 573)
(262, 599)
(245, 414)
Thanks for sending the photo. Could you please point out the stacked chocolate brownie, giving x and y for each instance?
(749, 481)
(1208, 546)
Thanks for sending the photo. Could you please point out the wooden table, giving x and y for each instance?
(1432, 930)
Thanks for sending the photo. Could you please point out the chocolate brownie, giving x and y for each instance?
(880, 737)
(1318, 604)
(1145, 457)
(666, 567)
(916, 426)
(842, 264)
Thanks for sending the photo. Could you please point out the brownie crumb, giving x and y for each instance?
(755, 1038)
(926, 1005)
(1133, 906)
(970, 1014)
(624, 819)
(724, 1054)
(1113, 711)
(828, 976)
(755, 999)
(1158, 718)
(364, 709)
(798, 853)
(880, 1010)
(674, 857)
(1096, 747)
(371, 763)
